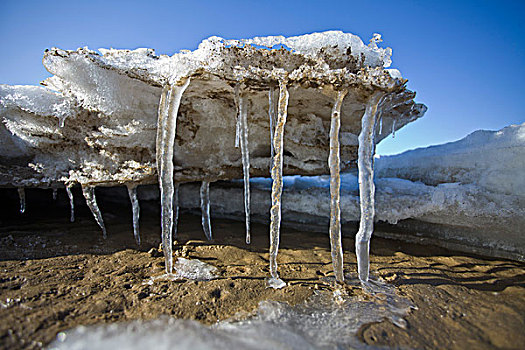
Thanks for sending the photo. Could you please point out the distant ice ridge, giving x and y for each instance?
(325, 321)
(466, 195)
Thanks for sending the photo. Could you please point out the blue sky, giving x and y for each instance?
(465, 59)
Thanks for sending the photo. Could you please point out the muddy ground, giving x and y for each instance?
(55, 275)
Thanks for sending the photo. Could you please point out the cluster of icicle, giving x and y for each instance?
(167, 120)
(167, 123)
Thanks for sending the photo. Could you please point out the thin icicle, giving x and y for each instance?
(71, 203)
(394, 129)
(243, 117)
(176, 205)
(380, 126)
(277, 186)
(271, 115)
(238, 119)
(205, 209)
(166, 129)
(61, 121)
(366, 186)
(334, 161)
(22, 197)
(91, 200)
(54, 194)
(132, 192)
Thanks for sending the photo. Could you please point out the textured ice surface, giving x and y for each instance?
(110, 101)
(325, 321)
(192, 269)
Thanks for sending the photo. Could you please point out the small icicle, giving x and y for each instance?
(238, 120)
(271, 115)
(54, 194)
(132, 192)
(243, 117)
(205, 209)
(366, 186)
(166, 130)
(394, 129)
(22, 196)
(91, 200)
(334, 161)
(380, 126)
(61, 121)
(176, 205)
(71, 203)
(277, 186)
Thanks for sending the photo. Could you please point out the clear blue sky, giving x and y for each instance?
(465, 59)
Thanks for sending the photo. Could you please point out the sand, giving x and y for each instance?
(55, 275)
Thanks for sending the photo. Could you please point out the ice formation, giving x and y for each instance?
(465, 195)
(135, 209)
(188, 269)
(91, 201)
(245, 155)
(71, 203)
(22, 197)
(132, 117)
(335, 183)
(205, 209)
(325, 321)
(166, 129)
(277, 185)
(365, 165)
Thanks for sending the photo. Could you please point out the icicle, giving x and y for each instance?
(243, 117)
(271, 114)
(277, 186)
(238, 120)
(61, 121)
(380, 126)
(366, 186)
(166, 129)
(91, 200)
(54, 194)
(205, 209)
(132, 192)
(176, 205)
(394, 128)
(71, 203)
(335, 183)
(22, 196)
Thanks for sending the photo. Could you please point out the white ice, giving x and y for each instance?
(71, 203)
(135, 209)
(91, 201)
(277, 185)
(205, 209)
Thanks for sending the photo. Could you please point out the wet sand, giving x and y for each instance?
(55, 275)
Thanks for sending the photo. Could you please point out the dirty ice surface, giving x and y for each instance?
(190, 269)
(328, 320)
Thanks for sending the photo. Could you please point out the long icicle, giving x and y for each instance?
(54, 194)
(91, 200)
(71, 203)
(238, 119)
(167, 123)
(135, 209)
(176, 214)
(205, 209)
(335, 184)
(277, 186)
(365, 164)
(22, 197)
(271, 115)
(245, 151)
